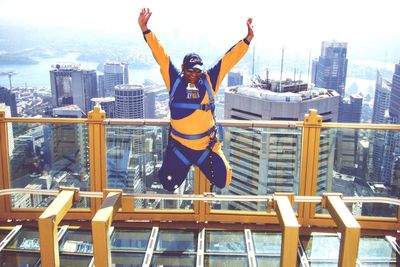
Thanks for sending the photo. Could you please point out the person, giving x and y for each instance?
(192, 136)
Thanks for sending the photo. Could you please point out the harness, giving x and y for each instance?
(210, 132)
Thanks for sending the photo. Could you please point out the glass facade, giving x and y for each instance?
(48, 156)
(355, 157)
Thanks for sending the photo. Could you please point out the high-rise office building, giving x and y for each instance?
(381, 107)
(129, 101)
(71, 85)
(69, 144)
(150, 104)
(331, 67)
(8, 98)
(115, 73)
(264, 162)
(392, 150)
(235, 78)
(351, 109)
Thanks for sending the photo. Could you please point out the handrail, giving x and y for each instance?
(205, 197)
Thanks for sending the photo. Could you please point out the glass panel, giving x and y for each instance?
(225, 261)
(268, 243)
(75, 260)
(174, 240)
(20, 259)
(25, 239)
(268, 261)
(127, 259)
(3, 234)
(263, 161)
(375, 248)
(320, 246)
(173, 260)
(380, 264)
(47, 156)
(130, 239)
(358, 162)
(77, 241)
(218, 241)
(134, 156)
(322, 264)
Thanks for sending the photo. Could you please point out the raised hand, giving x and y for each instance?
(250, 32)
(144, 17)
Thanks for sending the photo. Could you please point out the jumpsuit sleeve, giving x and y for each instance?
(227, 62)
(160, 56)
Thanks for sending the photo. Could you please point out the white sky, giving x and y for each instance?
(292, 23)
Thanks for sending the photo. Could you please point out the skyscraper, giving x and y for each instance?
(129, 101)
(264, 162)
(7, 97)
(381, 107)
(72, 85)
(331, 68)
(115, 73)
(392, 150)
(235, 78)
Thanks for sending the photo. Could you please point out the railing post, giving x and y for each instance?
(348, 226)
(101, 226)
(283, 205)
(48, 223)
(4, 162)
(97, 152)
(309, 161)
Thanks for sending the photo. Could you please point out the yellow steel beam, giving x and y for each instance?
(283, 205)
(348, 226)
(100, 228)
(97, 152)
(4, 167)
(48, 223)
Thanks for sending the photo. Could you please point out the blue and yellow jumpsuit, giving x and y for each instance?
(192, 138)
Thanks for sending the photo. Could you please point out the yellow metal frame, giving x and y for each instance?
(97, 153)
(309, 161)
(283, 204)
(349, 228)
(4, 165)
(48, 225)
(201, 212)
(101, 224)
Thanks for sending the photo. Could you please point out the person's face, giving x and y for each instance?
(191, 75)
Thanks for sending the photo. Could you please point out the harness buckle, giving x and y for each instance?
(206, 107)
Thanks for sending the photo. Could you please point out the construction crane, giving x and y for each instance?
(9, 74)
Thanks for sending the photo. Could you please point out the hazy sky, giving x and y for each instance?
(296, 24)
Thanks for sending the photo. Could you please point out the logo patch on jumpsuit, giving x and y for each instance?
(192, 92)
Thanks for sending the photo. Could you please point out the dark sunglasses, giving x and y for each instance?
(193, 70)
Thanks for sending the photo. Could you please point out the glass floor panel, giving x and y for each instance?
(25, 239)
(269, 261)
(20, 259)
(77, 241)
(267, 243)
(321, 246)
(173, 260)
(127, 259)
(130, 239)
(176, 241)
(376, 248)
(75, 260)
(224, 241)
(225, 261)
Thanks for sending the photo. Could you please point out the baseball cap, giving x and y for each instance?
(193, 61)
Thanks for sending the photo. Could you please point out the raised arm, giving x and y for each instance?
(156, 48)
(231, 58)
